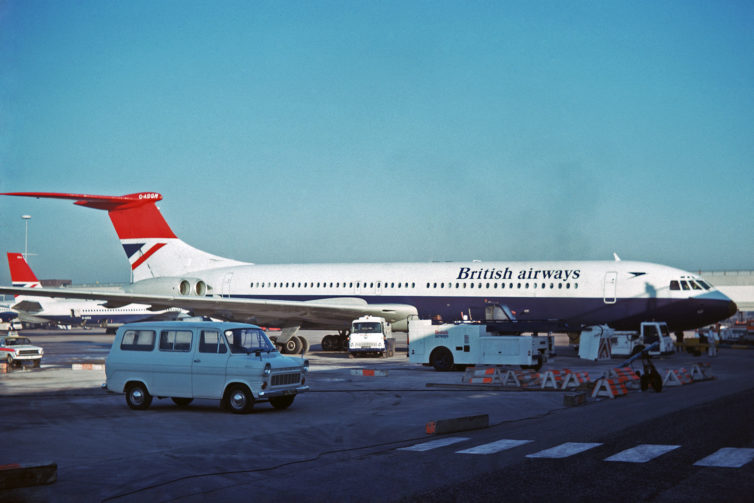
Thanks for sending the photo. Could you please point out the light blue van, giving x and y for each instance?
(232, 362)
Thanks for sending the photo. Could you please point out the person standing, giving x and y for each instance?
(712, 340)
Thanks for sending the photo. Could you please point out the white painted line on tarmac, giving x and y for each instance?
(564, 450)
(494, 447)
(434, 444)
(642, 453)
(727, 457)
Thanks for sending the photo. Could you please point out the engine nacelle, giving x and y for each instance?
(170, 286)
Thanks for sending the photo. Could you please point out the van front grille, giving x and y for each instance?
(284, 379)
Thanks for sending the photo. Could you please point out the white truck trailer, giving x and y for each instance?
(448, 345)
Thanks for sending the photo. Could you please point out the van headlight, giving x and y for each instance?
(306, 366)
(267, 370)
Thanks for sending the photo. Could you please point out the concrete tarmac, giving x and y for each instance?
(340, 441)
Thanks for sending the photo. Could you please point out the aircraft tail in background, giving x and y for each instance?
(153, 250)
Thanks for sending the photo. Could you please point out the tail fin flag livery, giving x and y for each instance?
(20, 272)
(153, 250)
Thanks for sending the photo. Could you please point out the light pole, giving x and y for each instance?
(26, 219)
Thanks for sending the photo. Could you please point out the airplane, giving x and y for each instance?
(168, 272)
(33, 309)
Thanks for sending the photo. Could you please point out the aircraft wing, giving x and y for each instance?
(321, 313)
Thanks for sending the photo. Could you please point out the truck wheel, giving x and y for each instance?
(239, 399)
(282, 402)
(441, 359)
(137, 396)
(181, 401)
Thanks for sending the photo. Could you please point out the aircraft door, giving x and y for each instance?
(225, 291)
(611, 280)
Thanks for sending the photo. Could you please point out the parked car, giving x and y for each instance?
(18, 350)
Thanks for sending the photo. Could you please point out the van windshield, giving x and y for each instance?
(248, 340)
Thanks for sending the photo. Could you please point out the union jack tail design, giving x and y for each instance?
(153, 250)
(20, 272)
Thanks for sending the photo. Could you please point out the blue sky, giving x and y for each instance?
(285, 132)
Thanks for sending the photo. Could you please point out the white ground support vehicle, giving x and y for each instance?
(18, 350)
(445, 346)
(371, 335)
(627, 343)
(232, 362)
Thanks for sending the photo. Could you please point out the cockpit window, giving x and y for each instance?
(674, 285)
(694, 285)
(685, 285)
(704, 284)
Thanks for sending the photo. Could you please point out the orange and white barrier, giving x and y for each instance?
(699, 372)
(575, 379)
(677, 377)
(626, 375)
(368, 372)
(88, 366)
(482, 375)
(610, 388)
(554, 378)
(521, 378)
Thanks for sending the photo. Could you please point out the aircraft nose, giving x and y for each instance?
(732, 309)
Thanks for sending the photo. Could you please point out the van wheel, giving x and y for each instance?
(441, 359)
(137, 396)
(282, 402)
(239, 399)
(180, 401)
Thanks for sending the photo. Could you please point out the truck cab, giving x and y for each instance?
(371, 335)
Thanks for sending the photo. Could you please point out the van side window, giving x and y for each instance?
(175, 340)
(137, 340)
(211, 342)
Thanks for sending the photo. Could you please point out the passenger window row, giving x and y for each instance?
(319, 284)
(380, 284)
(511, 286)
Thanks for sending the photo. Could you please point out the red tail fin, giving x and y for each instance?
(134, 216)
(20, 272)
